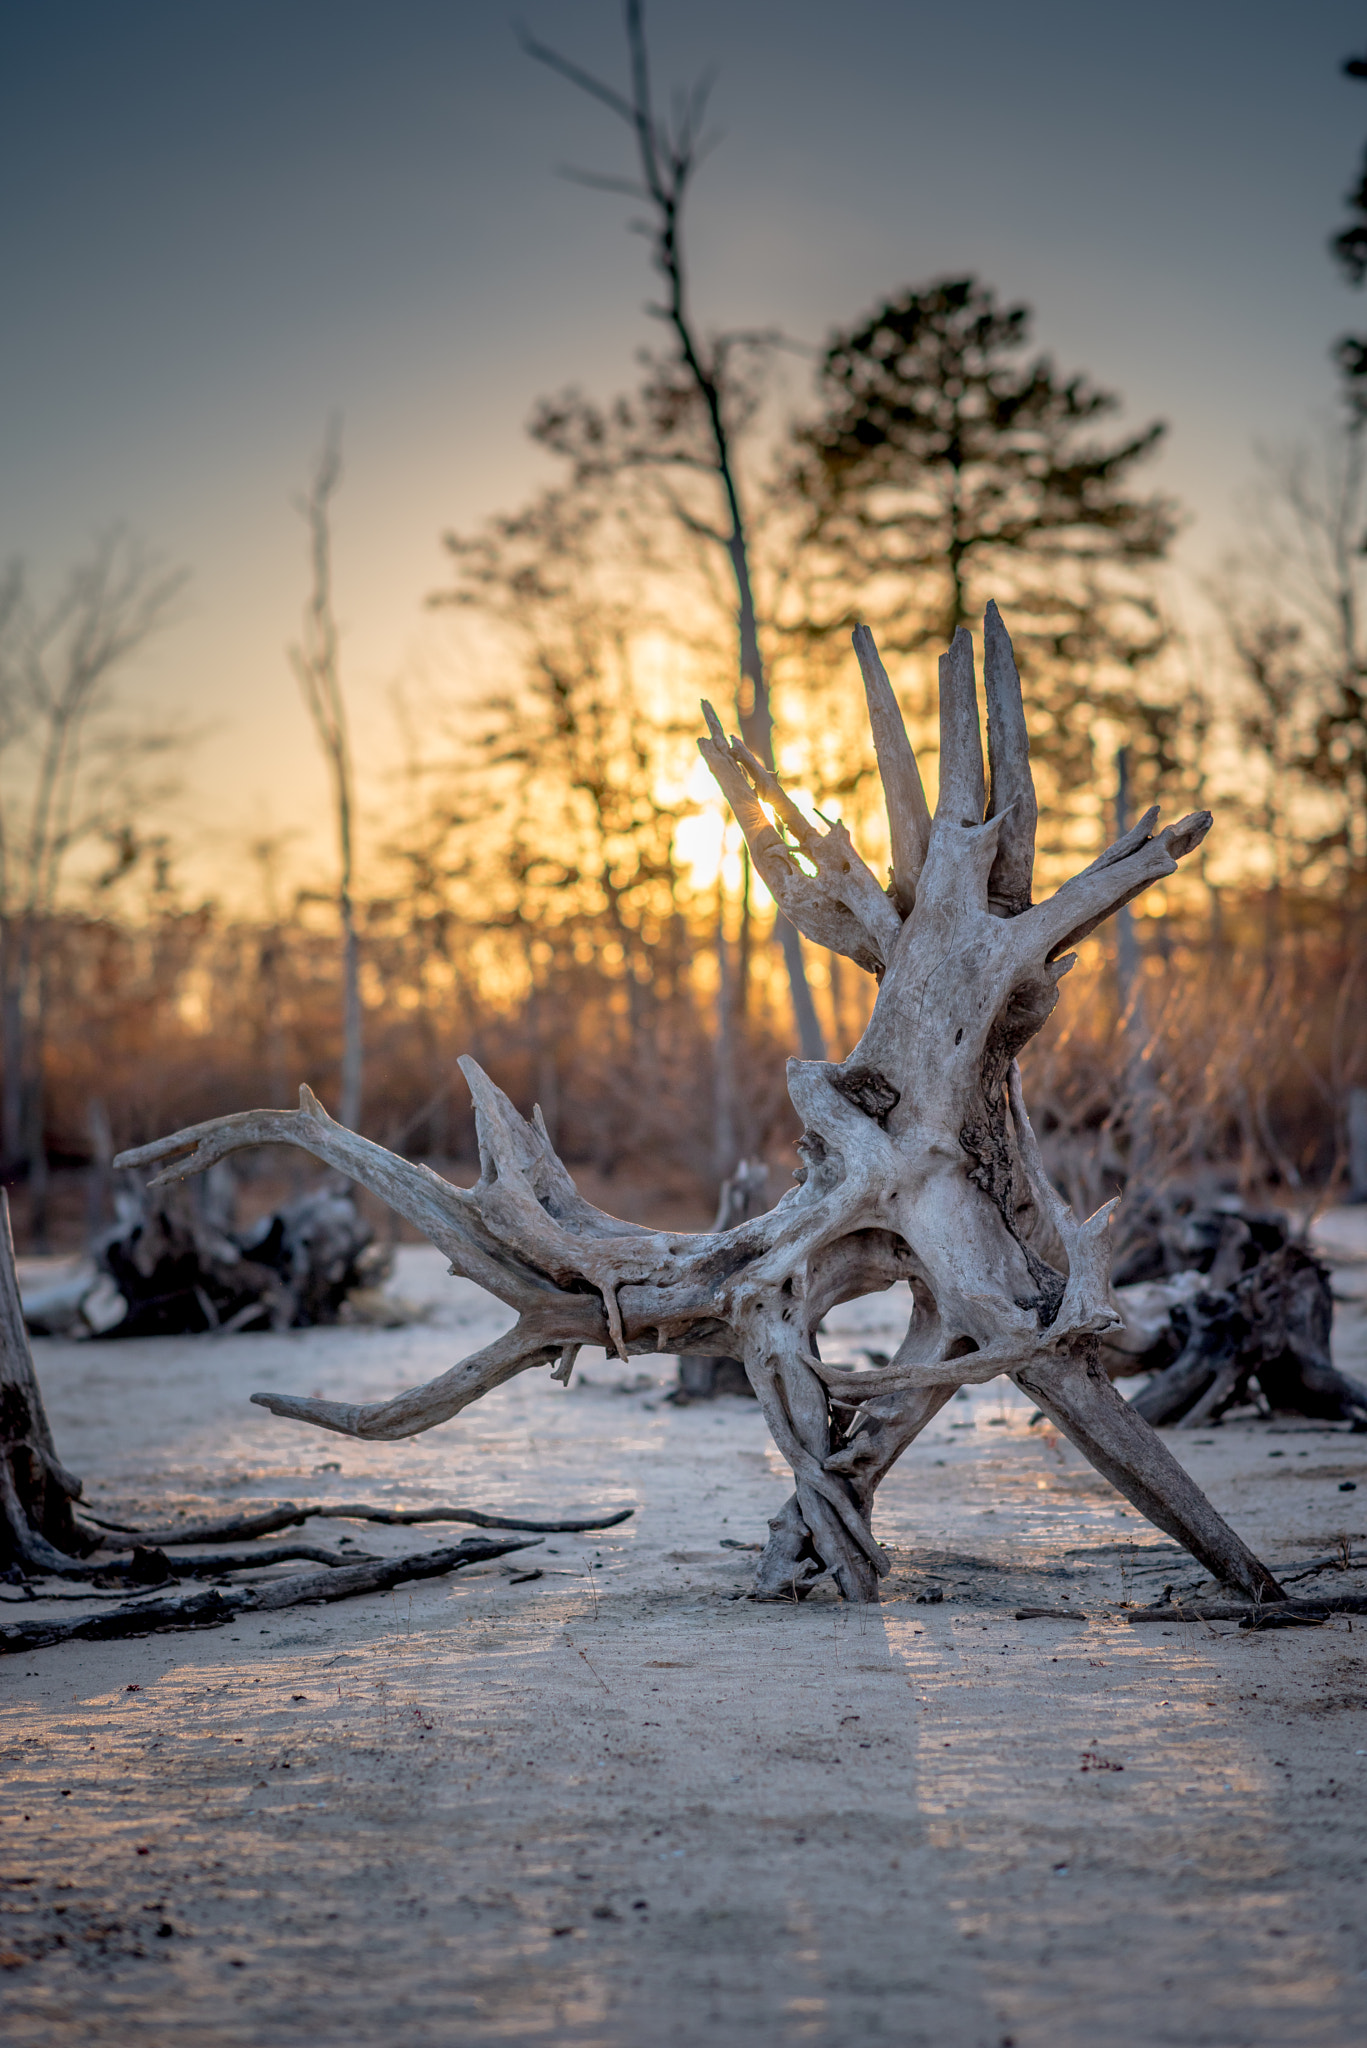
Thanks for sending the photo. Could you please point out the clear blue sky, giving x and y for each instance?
(224, 218)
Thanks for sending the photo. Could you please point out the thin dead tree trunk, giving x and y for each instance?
(724, 1079)
(919, 1165)
(315, 661)
(1129, 967)
(37, 1530)
(668, 158)
(55, 669)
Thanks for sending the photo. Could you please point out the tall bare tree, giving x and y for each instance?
(1295, 605)
(685, 418)
(315, 659)
(70, 773)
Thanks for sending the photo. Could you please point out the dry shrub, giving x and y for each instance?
(1229, 1071)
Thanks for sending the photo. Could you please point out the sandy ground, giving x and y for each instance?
(622, 1804)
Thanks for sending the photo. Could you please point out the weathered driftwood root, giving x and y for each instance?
(1266, 1320)
(217, 1606)
(916, 1167)
(182, 1267)
(1084, 1405)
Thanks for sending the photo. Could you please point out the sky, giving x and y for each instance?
(228, 219)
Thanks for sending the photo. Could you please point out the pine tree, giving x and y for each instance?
(946, 466)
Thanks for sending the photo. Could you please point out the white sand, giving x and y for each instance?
(622, 1804)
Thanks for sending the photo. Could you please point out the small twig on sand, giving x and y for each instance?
(603, 1682)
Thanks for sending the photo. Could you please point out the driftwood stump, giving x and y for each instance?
(1262, 1313)
(183, 1267)
(919, 1165)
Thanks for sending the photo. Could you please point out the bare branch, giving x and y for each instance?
(842, 906)
(441, 1212)
(1091, 897)
(316, 666)
(422, 1407)
(597, 181)
(607, 95)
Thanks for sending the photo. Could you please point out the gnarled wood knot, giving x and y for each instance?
(869, 1091)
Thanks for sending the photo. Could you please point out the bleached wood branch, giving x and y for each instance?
(903, 794)
(842, 906)
(1012, 797)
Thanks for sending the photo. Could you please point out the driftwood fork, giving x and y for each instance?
(919, 1164)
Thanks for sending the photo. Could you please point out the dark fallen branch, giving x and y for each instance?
(218, 1605)
(149, 1565)
(242, 1528)
(26, 1595)
(234, 1529)
(1285, 1617)
(209, 1609)
(1342, 1561)
(1249, 1616)
(205, 1567)
(409, 1517)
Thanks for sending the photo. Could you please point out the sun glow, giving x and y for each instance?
(708, 843)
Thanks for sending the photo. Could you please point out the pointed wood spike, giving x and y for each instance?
(506, 1140)
(714, 725)
(903, 793)
(961, 740)
(1013, 786)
